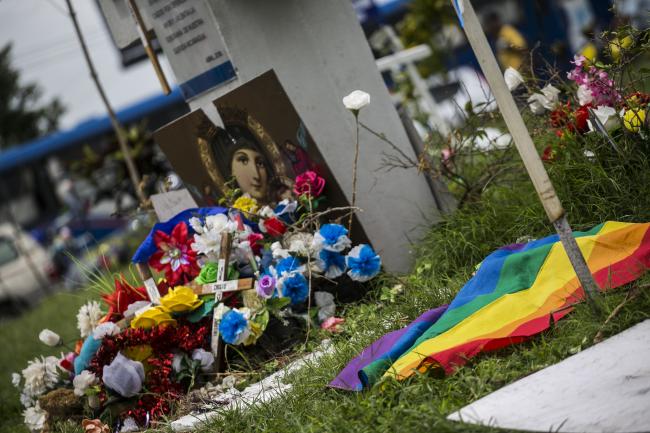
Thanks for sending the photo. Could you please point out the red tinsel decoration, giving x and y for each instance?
(164, 341)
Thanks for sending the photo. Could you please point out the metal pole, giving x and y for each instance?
(525, 146)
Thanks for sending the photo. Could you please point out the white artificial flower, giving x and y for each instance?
(301, 244)
(547, 100)
(208, 243)
(26, 400)
(129, 426)
(124, 376)
(290, 206)
(49, 338)
(246, 312)
(356, 100)
(15, 380)
(266, 212)
(220, 223)
(83, 381)
(584, 95)
(607, 117)
(278, 252)
(196, 225)
(104, 329)
(589, 155)
(88, 318)
(205, 358)
(40, 375)
(220, 311)
(513, 78)
(135, 307)
(35, 418)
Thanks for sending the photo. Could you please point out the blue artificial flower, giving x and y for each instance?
(285, 211)
(332, 237)
(296, 288)
(331, 263)
(233, 327)
(287, 266)
(363, 262)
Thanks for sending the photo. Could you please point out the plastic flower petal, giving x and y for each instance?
(332, 237)
(331, 263)
(296, 288)
(633, 119)
(154, 316)
(124, 376)
(246, 204)
(265, 286)
(309, 183)
(175, 256)
(363, 263)
(234, 328)
(180, 300)
(83, 381)
(513, 78)
(49, 338)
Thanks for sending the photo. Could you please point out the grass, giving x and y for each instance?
(19, 342)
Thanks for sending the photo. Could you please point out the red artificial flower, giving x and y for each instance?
(566, 120)
(309, 183)
(333, 324)
(175, 256)
(253, 238)
(274, 227)
(548, 155)
(123, 296)
(581, 117)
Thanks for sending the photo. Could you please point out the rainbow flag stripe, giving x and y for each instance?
(518, 291)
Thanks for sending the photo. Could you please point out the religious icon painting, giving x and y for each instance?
(261, 148)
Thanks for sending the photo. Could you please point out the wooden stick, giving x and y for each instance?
(242, 284)
(146, 43)
(525, 146)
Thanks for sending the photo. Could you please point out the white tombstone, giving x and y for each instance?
(320, 54)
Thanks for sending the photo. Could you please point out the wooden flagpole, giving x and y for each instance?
(524, 143)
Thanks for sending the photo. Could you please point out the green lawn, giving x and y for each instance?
(19, 343)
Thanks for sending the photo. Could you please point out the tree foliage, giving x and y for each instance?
(23, 116)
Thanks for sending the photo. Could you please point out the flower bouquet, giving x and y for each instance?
(225, 272)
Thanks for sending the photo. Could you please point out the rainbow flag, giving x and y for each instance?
(518, 291)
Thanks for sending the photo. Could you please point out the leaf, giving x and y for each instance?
(276, 304)
(203, 310)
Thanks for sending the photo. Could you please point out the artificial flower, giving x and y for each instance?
(326, 306)
(67, 361)
(301, 244)
(49, 338)
(208, 273)
(513, 78)
(363, 263)
(122, 297)
(285, 209)
(288, 266)
(177, 362)
(124, 376)
(266, 212)
(104, 329)
(633, 119)
(333, 324)
(273, 227)
(219, 311)
(331, 263)
(94, 426)
(253, 242)
(607, 116)
(601, 87)
(279, 252)
(155, 316)
(175, 256)
(15, 380)
(584, 95)
(234, 328)
(296, 288)
(35, 418)
(40, 375)
(547, 100)
(309, 183)
(88, 318)
(206, 359)
(617, 44)
(265, 286)
(332, 237)
(180, 299)
(356, 100)
(129, 425)
(246, 204)
(207, 240)
(83, 381)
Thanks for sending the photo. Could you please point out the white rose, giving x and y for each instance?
(49, 338)
(83, 381)
(607, 116)
(266, 212)
(205, 358)
(535, 103)
(513, 78)
(551, 96)
(278, 252)
(104, 329)
(584, 95)
(356, 100)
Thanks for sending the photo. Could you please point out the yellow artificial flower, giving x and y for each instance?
(138, 353)
(153, 317)
(617, 44)
(246, 203)
(180, 300)
(633, 119)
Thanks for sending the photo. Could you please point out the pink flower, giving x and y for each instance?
(333, 324)
(309, 183)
